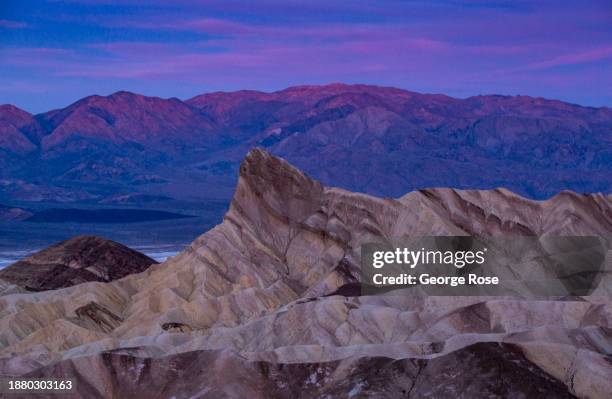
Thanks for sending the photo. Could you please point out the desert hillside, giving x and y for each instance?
(253, 307)
(74, 261)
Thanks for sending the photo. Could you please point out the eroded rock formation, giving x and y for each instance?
(75, 261)
(262, 306)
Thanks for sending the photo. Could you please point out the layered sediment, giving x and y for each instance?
(265, 303)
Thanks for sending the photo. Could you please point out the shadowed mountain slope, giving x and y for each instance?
(75, 261)
(460, 374)
(125, 117)
(19, 131)
(377, 140)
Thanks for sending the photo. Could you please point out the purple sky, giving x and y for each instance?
(53, 52)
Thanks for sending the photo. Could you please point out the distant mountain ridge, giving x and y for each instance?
(379, 140)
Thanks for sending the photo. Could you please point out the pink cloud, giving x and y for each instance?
(134, 59)
(468, 50)
(5, 23)
(573, 59)
(551, 61)
(229, 30)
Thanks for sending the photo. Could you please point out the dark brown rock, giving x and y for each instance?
(97, 317)
(74, 261)
(484, 370)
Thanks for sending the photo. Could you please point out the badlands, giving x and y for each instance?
(268, 304)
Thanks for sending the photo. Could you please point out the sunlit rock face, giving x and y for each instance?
(262, 305)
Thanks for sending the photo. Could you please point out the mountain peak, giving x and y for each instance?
(125, 93)
(276, 185)
(19, 131)
(361, 137)
(10, 109)
(126, 117)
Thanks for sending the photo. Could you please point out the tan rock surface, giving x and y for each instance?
(253, 293)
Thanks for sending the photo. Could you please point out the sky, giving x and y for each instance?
(54, 52)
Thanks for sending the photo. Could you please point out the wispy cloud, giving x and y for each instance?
(7, 24)
(573, 59)
(579, 58)
(167, 48)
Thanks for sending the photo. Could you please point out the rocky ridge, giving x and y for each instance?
(75, 261)
(250, 307)
(378, 140)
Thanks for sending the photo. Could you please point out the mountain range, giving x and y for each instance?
(378, 140)
(258, 306)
